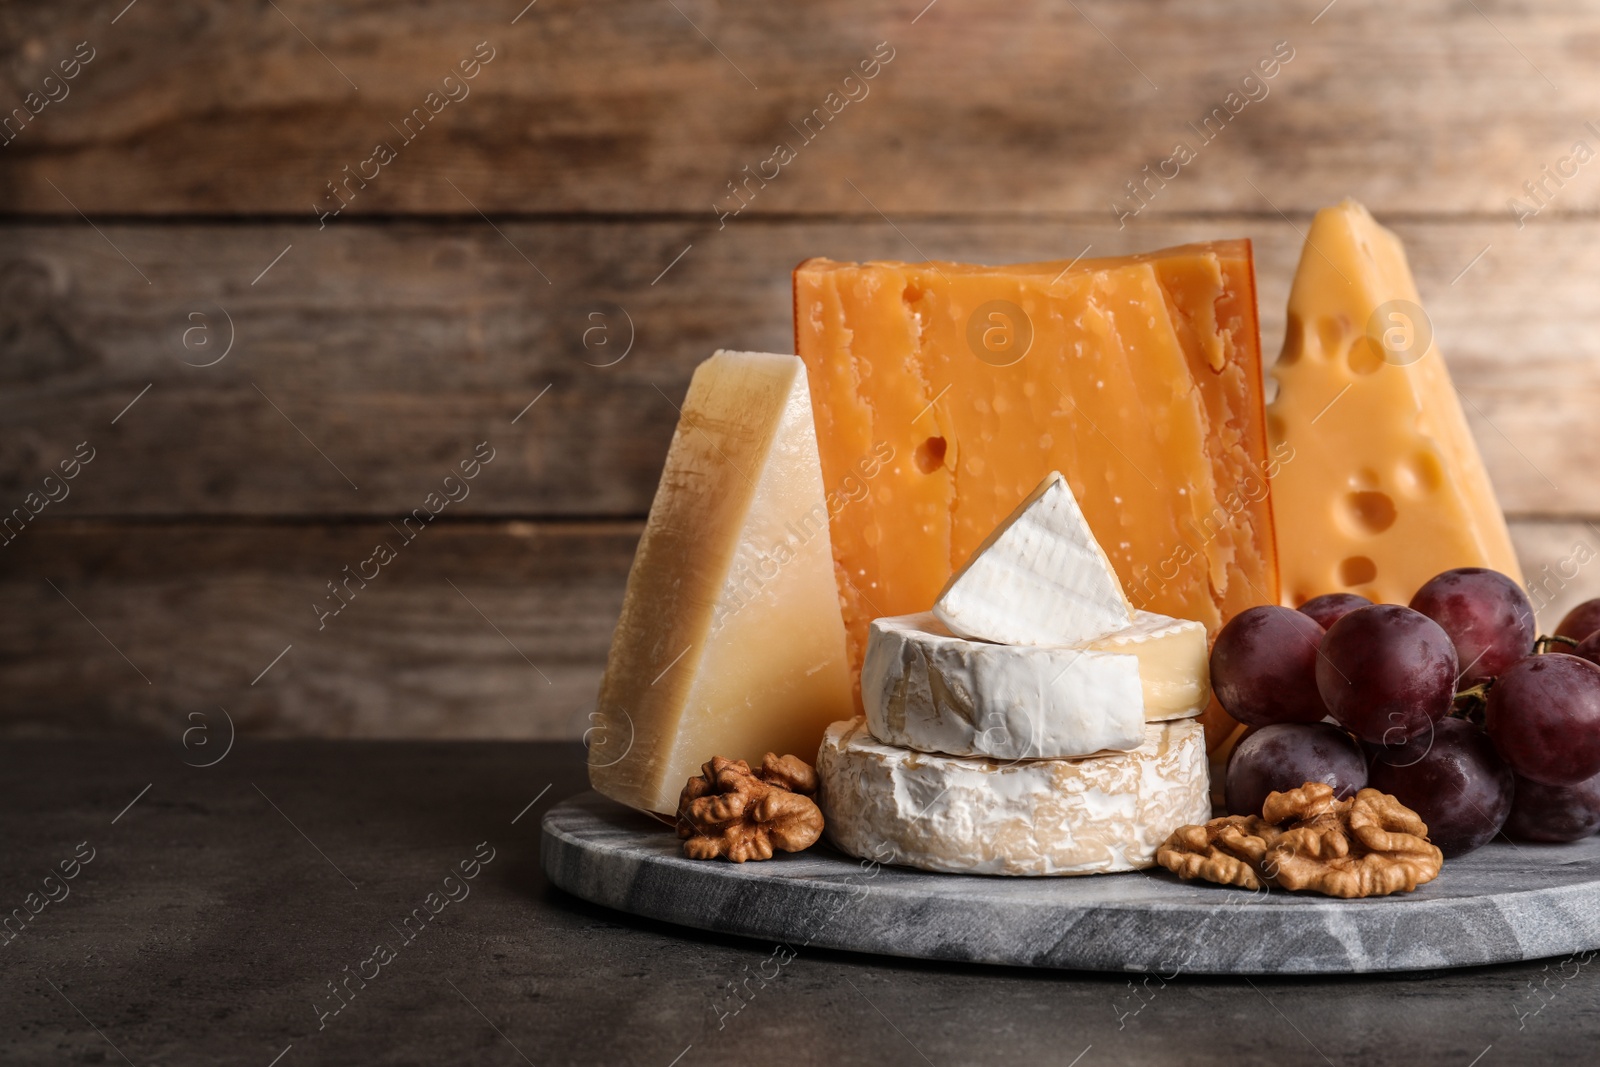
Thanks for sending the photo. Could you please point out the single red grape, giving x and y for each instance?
(1263, 667)
(1386, 673)
(1486, 614)
(1454, 779)
(1581, 621)
(1329, 608)
(1287, 756)
(1542, 812)
(1544, 716)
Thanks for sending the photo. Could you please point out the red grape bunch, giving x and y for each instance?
(1449, 704)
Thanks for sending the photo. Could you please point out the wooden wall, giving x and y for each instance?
(562, 234)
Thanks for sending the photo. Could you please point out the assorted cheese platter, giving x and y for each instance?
(1039, 572)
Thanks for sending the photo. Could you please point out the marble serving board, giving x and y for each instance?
(1503, 902)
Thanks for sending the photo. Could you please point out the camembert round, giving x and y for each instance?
(928, 689)
(1030, 817)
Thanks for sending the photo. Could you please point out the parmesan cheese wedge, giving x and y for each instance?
(731, 641)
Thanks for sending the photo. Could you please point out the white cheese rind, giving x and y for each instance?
(1037, 817)
(926, 689)
(1040, 578)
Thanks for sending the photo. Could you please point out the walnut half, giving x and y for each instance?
(730, 811)
(1373, 847)
(1369, 845)
(1227, 850)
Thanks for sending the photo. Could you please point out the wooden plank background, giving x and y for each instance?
(564, 235)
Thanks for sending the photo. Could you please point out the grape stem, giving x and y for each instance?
(1472, 703)
(1545, 643)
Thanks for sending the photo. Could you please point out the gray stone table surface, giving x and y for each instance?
(222, 903)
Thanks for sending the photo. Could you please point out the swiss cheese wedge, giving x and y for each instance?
(730, 641)
(1379, 485)
(1138, 378)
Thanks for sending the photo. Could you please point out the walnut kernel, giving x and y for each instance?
(732, 812)
(1369, 845)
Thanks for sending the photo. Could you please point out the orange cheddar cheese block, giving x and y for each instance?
(945, 392)
(1380, 485)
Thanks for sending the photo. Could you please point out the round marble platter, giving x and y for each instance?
(1501, 903)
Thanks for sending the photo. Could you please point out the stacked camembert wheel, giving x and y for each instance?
(1033, 723)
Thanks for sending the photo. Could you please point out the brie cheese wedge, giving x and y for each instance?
(1040, 578)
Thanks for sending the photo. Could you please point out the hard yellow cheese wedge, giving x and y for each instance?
(1378, 485)
(731, 642)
